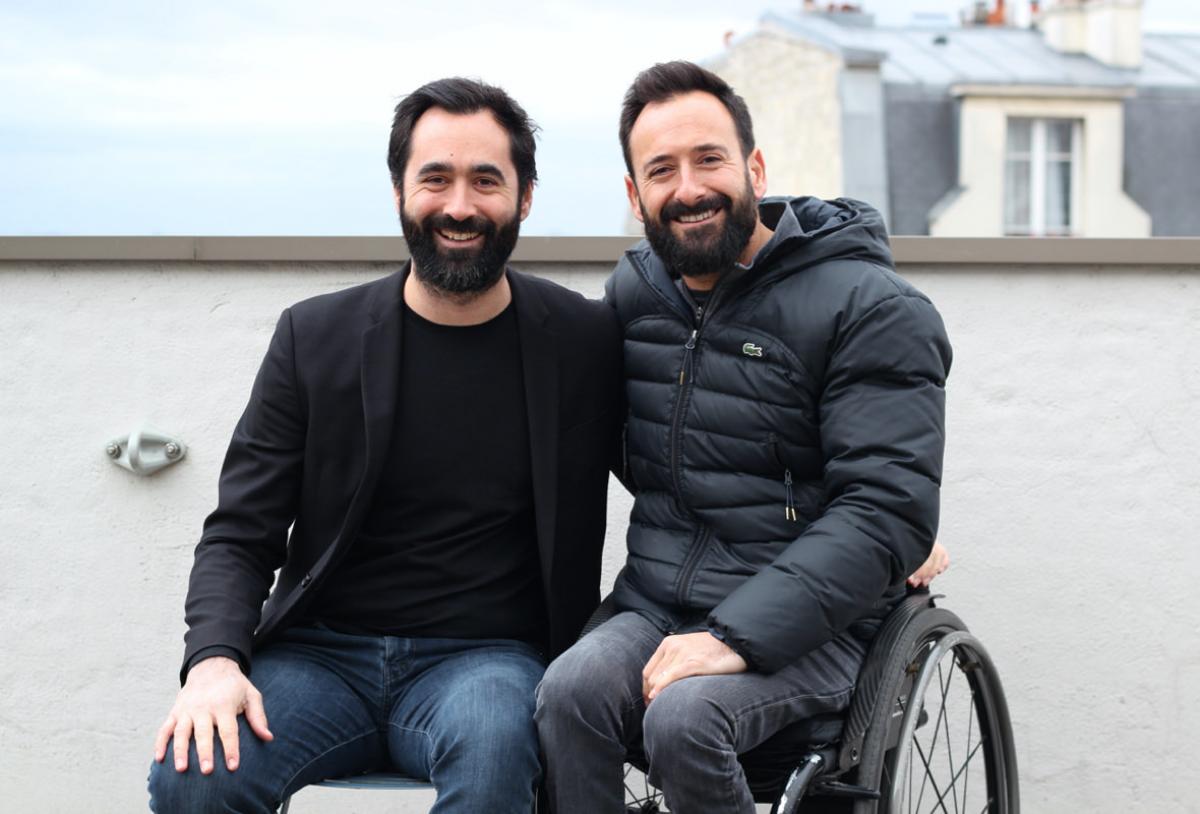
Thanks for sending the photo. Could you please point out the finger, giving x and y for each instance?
(256, 715)
(227, 730)
(652, 667)
(661, 677)
(652, 664)
(160, 739)
(202, 731)
(667, 677)
(183, 737)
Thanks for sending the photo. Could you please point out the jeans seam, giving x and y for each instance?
(422, 733)
(772, 701)
(315, 758)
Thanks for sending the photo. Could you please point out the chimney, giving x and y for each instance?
(997, 16)
(1109, 31)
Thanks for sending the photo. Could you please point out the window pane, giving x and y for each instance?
(1016, 196)
(1058, 136)
(1019, 136)
(1058, 197)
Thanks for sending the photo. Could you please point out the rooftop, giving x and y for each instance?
(942, 54)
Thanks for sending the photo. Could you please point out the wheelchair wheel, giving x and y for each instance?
(640, 796)
(944, 740)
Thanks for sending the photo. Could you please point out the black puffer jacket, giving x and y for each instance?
(786, 442)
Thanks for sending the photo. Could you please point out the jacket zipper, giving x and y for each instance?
(685, 370)
(700, 541)
(690, 564)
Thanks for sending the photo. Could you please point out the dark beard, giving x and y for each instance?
(459, 271)
(705, 251)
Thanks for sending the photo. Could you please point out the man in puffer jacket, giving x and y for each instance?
(784, 442)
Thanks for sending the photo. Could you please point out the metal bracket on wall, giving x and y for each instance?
(145, 451)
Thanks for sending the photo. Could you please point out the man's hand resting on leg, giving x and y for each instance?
(688, 654)
(215, 693)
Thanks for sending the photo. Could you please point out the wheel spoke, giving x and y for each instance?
(954, 779)
(946, 723)
(970, 727)
(929, 777)
(937, 728)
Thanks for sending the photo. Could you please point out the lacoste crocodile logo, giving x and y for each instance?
(750, 349)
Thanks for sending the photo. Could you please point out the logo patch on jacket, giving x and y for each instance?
(750, 349)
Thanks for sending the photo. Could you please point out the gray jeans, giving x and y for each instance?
(590, 713)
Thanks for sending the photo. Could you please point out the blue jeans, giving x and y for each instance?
(458, 712)
(590, 714)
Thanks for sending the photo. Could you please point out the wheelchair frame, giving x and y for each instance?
(888, 757)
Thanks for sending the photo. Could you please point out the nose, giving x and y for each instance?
(460, 203)
(690, 189)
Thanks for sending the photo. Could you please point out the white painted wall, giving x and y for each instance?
(1071, 501)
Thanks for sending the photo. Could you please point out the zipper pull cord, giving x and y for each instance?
(789, 508)
(689, 347)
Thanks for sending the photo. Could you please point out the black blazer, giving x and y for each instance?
(309, 447)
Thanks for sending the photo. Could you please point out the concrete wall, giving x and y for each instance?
(1071, 496)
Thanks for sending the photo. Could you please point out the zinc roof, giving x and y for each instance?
(944, 55)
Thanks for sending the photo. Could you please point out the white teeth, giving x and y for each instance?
(459, 236)
(698, 217)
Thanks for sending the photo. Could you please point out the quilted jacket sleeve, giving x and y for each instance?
(882, 420)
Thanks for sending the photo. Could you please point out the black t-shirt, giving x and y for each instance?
(448, 549)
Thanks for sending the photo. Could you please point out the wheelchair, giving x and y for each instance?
(927, 730)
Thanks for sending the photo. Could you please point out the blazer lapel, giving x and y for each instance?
(380, 376)
(539, 362)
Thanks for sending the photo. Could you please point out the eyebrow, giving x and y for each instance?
(699, 148)
(445, 167)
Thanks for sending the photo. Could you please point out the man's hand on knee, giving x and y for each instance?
(215, 693)
(689, 654)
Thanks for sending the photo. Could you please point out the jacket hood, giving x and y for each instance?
(810, 231)
(841, 229)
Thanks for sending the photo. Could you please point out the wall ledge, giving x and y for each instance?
(957, 251)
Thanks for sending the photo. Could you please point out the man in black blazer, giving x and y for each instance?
(438, 443)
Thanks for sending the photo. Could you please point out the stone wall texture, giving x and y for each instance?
(1071, 498)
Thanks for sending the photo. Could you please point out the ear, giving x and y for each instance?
(635, 201)
(396, 198)
(758, 173)
(526, 201)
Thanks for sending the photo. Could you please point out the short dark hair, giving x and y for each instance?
(464, 96)
(668, 79)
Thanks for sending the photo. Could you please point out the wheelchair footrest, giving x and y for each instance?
(835, 788)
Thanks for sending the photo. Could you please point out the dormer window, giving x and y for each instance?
(1041, 176)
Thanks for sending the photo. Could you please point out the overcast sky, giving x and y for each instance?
(263, 117)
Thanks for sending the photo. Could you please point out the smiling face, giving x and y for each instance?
(693, 188)
(461, 205)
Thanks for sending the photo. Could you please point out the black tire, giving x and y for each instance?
(938, 684)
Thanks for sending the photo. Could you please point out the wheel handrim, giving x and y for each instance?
(948, 758)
